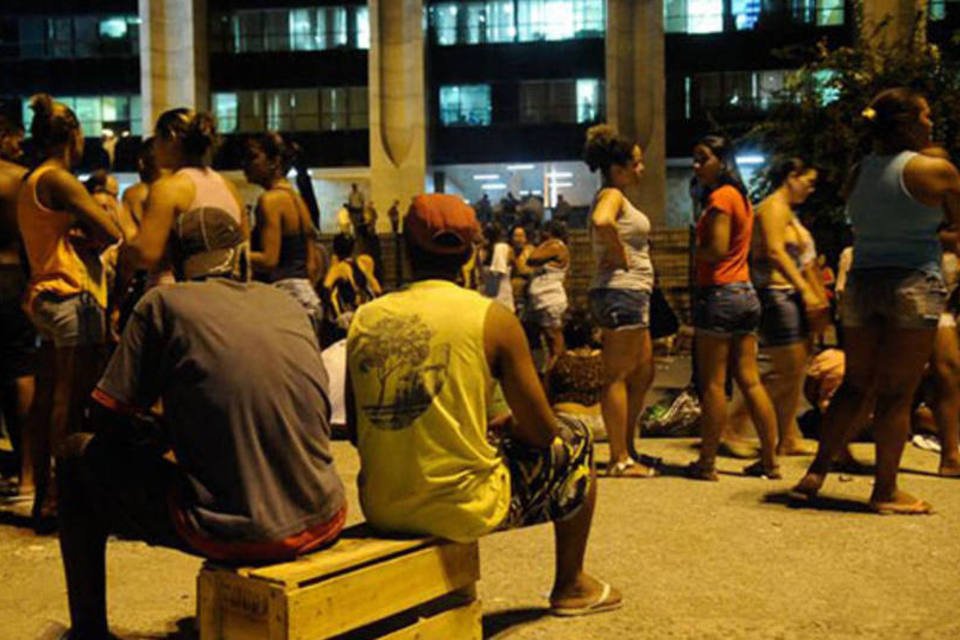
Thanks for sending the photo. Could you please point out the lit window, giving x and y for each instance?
(343, 108)
(693, 16)
(829, 13)
(564, 101)
(589, 100)
(225, 111)
(492, 21)
(361, 20)
(114, 27)
(465, 105)
(95, 113)
(746, 13)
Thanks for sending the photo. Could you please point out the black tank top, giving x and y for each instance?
(293, 254)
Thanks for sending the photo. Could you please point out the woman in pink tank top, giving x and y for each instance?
(184, 144)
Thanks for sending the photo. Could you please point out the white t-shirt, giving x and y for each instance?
(335, 362)
(496, 276)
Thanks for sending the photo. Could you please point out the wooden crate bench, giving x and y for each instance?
(362, 587)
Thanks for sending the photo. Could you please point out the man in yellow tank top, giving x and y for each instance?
(424, 364)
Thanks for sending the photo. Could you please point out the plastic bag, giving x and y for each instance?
(675, 417)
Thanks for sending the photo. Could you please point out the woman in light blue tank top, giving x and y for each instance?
(894, 295)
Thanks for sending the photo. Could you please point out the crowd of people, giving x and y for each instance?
(179, 394)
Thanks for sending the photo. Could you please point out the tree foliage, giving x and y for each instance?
(819, 113)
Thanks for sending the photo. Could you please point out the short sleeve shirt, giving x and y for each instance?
(245, 403)
(727, 201)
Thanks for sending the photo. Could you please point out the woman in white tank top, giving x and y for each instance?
(184, 144)
(620, 296)
(547, 302)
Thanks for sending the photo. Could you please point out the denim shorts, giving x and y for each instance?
(783, 320)
(727, 310)
(620, 308)
(548, 317)
(900, 298)
(70, 321)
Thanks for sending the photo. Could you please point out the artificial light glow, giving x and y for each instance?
(493, 186)
(486, 176)
(751, 159)
(562, 185)
(560, 174)
(520, 167)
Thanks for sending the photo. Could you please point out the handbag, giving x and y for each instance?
(663, 321)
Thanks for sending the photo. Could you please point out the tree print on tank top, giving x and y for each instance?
(409, 370)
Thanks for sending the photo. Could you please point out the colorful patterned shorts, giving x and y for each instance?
(549, 485)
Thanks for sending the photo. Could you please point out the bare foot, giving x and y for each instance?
(949, 468)
(900, 503)
(586, 595)
(795, 448)
(809, 485)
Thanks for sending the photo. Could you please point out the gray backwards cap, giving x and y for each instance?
(208, 242)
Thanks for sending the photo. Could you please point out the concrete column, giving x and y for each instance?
(636, 91)
(173, 57)
(398, 105)
(900, 17)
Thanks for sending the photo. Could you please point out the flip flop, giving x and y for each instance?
(600, 605)
(757, 470)
(697, 471)
(619, 470)
(916, 508)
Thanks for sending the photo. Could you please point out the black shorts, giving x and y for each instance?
(18, 338)
(551, 484)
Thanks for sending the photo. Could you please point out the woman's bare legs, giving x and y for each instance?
(626, 353)
(946, 408)
(893, 372)
(784, 384)
(743, 360)
(712, 354)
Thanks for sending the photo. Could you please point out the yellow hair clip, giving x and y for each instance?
(869, 113)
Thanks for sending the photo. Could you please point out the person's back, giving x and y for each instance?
(731, 268)
(211, 191)
(891, 228)
(422, 387)
(244, 393)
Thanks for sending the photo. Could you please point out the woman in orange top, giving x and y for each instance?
(64, 230)
(726, 312)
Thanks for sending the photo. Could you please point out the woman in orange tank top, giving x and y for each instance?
(63, 232)
(726, 313)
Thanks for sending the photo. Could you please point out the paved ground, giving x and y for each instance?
(695, 560)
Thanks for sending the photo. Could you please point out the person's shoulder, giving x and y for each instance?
(727, 199)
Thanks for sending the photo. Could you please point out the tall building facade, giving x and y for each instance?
(474, 97)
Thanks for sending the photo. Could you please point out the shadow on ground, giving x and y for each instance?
(501, 623)
(818, 503)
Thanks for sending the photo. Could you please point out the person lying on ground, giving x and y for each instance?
(254, 480)
(423, 364)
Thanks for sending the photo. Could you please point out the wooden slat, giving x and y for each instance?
(242, 609)
(461, 623)
(347, 553)
(357, 598)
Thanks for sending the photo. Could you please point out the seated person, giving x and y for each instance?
(575, 380)
(245, 411)
(422, 365)
(349, 283)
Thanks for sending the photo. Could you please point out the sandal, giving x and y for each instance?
(698, 471)
(758, 470)
(601, 604)
(619, 470)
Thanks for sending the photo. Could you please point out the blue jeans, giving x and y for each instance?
(620, 308)
(727, 310)
(784, 320)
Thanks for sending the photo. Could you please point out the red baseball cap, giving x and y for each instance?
(441, 223)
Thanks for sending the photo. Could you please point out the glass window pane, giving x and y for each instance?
(225, 111)
(465, 105)
(333, 108)
(250, 112)
(359, 117)
(533, 101)
(136, 123)
(303, 24)
(86, 36)
(89, 112)
(306, 109)
(248, 30)
(60, 37)
(745, 13)
(829, 13)
(362, 26)
(443, 17)
(563, 101)
(276, 30)
(589, 97)
(693, 16)
(32, 36)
